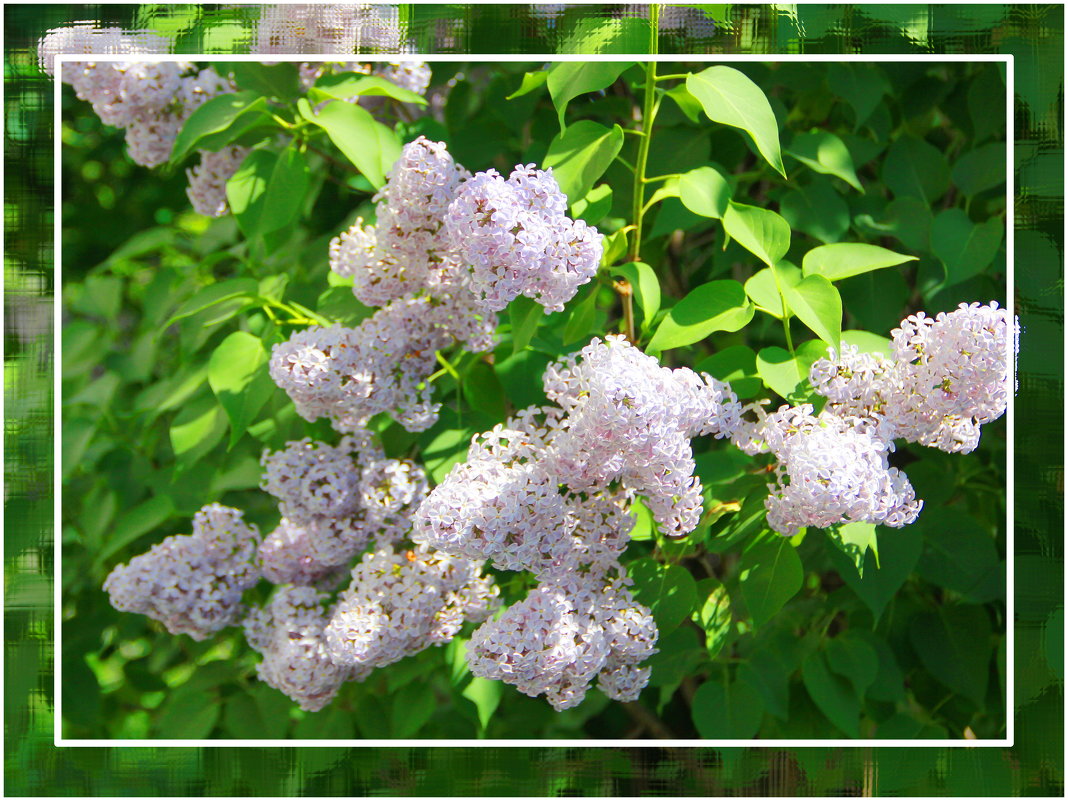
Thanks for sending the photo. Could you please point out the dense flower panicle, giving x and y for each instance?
(830, 470)
(630, 419)
(518, 239)
(948, 376)
(328, 28)
(85, 37)
(150, 140)
(561, 635)
(193, 583)
(315, 553)
(207, 181)
(411, 75)
(288, 632)
(623, 682)
(312, 479)
(400, 603)
(406, 251)
(352, 374)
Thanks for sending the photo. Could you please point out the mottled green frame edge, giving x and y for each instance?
(1034, 35)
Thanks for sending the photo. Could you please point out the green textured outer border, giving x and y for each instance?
(1033, 34)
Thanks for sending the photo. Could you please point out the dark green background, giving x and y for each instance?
(33, 766)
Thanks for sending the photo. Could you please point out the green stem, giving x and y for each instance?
(667, 177)
(648, 115)
(676, 77)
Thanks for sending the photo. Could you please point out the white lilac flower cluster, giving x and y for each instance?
(518, 239)
(948, 376)
(288, 633)
(192, 583)
(549, 491)
(400, 603)
(328, 28)
(150, 100)
(411, 263)
(334, 500)
(830, 470)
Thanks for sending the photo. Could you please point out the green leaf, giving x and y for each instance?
(531, 81)
(833, 694)
(281, 81)
(569, 79)
(595, 206)
(285, 192)
(980, 169)
(960, 556)
(764, 291)
(847, 259)
(715, 306)
(861, 85)
(244, 718)
(188, 714)
(715, 618)
(247, 188)
(737, 366)
(582, 318)
(579, 156)
(413, 706)
(645, 286)
(483, 391)
(135, 523)
(668, 590)
(963, 246)
(763, 233)
(237, 374)
(367, 143)
(686, 102)
(525, 316)
(825, 153)
(899, 550)
(668, 188)
(705, 191)
(854, 540)
(954, 645)
(853, 659)
(196, 430)
(731, 98)
(485, 695)
(771, 575)
(817, 210)
(818, 305)
(914, 168)
(783, 373)
(345, 85)
(731, 712)
(212, 295)
(644, 526)
(770, 666)
(214, 117)
(867, 342)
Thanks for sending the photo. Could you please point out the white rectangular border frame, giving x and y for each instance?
(1006, 742)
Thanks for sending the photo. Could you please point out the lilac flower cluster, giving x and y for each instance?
(400, 603)
(562, 635)
(334, 500)
(518, 239)
(328, 28)
(830, 469)
(288, 633)
(549, 491)
(947, 377)
(409, 263)
(193, 583)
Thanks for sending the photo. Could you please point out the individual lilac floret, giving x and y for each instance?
(207, 180)
(288, 632)
(406, 250)
(947, 377)
(400, 603)
(830, 470)
(557, 639)
(193, 583)
(629, 419)
(518, 239)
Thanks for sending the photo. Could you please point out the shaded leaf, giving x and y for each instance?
(824, 152)
(569, 79)
(954, 645)
(771, 576)
(726, 712)
(833, 694)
